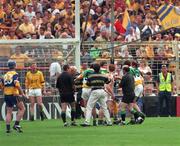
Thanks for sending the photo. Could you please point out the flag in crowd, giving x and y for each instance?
(126, 20)
(169, 16)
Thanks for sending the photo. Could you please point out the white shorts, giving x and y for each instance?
(35, 92)
(86, 93)
(139, 90)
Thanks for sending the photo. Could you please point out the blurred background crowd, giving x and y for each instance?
(40, 19)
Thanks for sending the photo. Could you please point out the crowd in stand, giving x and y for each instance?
(39, 19)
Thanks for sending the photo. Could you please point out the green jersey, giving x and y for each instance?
(135, 72)
(87, 72)
(104, 71)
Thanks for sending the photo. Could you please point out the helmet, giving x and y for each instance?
(11, 64)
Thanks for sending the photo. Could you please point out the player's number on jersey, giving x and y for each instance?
(8, 79)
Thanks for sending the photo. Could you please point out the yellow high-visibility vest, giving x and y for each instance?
(165, 85)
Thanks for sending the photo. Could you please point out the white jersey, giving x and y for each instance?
(110, 85)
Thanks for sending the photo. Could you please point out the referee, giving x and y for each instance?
(66, 87)
(128, 85)
(97, 81)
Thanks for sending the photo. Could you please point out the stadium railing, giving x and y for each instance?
(46, 53)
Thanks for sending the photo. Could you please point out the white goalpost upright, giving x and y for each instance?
(77, 33)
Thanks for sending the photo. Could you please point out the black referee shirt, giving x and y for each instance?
(65, 83)
(127, 84)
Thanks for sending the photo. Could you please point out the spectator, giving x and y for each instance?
(20, 58)
(141, 53)
(36, 26)
(19, 34)
(149, 51)
(125, 53)
(48, 12)
(57, 54)
(34, 36)
(2, 16)
(107, 26)
(37, 6)
(88, 37)
(56, 20)
(2, 36)
(42, 33)
(139, 22)
(12, 34)
(26, 26)
(103, 37)
(155, 26)
(48, 35)
(132, 35)
(159, 59)
(177, 37)
(95, 52)
(17, 12)
(169, 52)
(64, 35)
(53, 9)
(117, 53)
(67, 8)
(8, 21)
(149, 86)
(59, 4)
(98, 12)
(144, 68)
(38, 19)
(30, 12)
(147, 30)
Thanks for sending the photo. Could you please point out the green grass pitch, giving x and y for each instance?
(153, 132)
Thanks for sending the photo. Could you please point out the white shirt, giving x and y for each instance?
(130, 37)
(54, 69)
(41, 37)
(30, 15)
(146, 27)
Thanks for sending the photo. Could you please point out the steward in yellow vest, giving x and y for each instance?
(165, 82)
(165, 87)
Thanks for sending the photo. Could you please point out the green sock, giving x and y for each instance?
(135, 113)
(123, 115)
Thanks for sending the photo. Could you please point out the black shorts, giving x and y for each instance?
(67, 97)
(128, 98)
(10, 100)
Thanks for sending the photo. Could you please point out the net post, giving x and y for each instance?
(77, 34)
(177, 67)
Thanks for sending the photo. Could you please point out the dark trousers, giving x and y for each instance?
(165, 96)
(79, 112)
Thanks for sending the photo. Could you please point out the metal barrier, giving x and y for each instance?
(153, 53)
